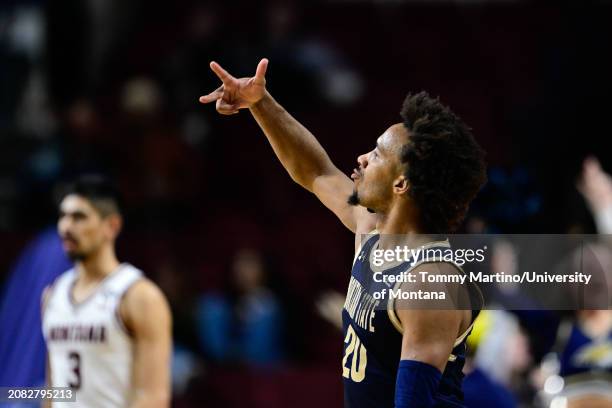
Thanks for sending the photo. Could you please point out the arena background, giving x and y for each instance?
(112, 86)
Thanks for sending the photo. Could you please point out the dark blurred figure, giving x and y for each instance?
(175, 283)
(305, 63)
(578, 371)
(22, 348)
(243, 325)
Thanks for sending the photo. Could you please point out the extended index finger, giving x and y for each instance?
(221, 73)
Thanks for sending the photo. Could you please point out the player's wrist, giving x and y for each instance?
(261, 102)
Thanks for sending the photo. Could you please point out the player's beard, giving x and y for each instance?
(353, 198)
(80, 254)
(355, 201)
(77, 256)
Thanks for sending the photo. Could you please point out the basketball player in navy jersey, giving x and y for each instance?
(107, 327)
(418, 179)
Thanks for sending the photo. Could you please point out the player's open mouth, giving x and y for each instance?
(356, 174)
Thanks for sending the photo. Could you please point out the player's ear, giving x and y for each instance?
(115, 223)
(401, 185)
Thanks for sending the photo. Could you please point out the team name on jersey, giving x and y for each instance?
(360, 305)
(78, 333)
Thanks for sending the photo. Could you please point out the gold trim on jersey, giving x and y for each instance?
(363, 241)
(391, 302)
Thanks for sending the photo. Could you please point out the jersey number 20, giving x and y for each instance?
(357, 371)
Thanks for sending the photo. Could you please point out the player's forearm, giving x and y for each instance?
(297, 149)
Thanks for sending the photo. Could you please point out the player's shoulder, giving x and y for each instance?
(127, 269)
(144, 306)
(144, 293)
(144, 289)
(134, 285)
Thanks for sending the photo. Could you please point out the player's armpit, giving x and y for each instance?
(430, 332)
(146, 315)
(333, 189)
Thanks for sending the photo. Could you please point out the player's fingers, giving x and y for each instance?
(211, 97)
(591, 164)
(260, 73)
(228, 112)
(221, 73)
(225, 108)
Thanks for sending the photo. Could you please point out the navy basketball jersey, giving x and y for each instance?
(373, 339)
(583, 354)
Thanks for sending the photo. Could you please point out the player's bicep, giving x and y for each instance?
(431, 336)
(149, 320)
(434, 327)
(333, 190)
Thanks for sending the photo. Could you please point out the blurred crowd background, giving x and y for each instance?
(254, 266)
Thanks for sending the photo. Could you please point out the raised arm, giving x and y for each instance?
(297, 149)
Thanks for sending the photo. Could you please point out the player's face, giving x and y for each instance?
(379, 170)
(82, 228)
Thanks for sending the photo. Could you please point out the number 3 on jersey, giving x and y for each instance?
(75, 360)
(357, 371)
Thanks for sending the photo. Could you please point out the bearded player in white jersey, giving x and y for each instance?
(107, 328)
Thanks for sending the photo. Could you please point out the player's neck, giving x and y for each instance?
(98, 266)
(399, 224)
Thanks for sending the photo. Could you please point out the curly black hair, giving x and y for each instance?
(445, 166)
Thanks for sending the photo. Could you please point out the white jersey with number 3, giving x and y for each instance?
(89, 348)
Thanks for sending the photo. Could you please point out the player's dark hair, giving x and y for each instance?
(445, 166)
(98, 190)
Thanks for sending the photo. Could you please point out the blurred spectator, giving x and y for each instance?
(596, 187)
(319, 66)
(578, 370)
(510, 199)
(589, 345)
(482, 392)
(499, 358)
(245, 323)
(329, 305)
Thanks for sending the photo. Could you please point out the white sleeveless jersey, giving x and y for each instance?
(89, 348)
